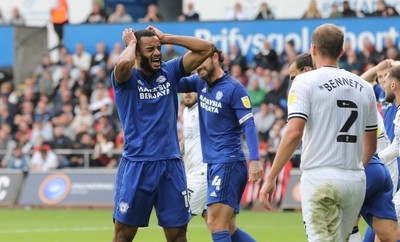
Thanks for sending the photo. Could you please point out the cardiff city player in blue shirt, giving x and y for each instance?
(224, 112)
(151, 172)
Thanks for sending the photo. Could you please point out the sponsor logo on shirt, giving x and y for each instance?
(155, 92)
(246, 102)
(210, 105)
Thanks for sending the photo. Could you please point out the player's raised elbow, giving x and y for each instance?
(123, 70)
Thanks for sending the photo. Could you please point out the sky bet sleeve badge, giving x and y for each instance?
(292, 96)
(246, 102)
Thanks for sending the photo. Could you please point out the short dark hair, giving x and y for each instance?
(328, 39)
(394, 72)
(221, 57)
(302, 61)
(142, 33)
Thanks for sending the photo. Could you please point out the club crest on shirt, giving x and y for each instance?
(140, 82)
(123, 207)
(161, 79)
(219, 95)
(246, 102)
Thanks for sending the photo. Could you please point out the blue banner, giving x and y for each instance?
(248, 35)
(6, 46)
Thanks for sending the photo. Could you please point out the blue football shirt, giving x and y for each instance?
(148, 112)
(224, 111)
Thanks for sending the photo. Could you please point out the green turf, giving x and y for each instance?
(75, 225)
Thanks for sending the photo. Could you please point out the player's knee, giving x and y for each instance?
(176, 236)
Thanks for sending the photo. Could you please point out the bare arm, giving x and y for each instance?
(369, 146)
(370, 75)
(290, 140)
(199, 49)
(124, 63)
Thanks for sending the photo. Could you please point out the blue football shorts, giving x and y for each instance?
(142, 185)
(226, 183)
(378, 197)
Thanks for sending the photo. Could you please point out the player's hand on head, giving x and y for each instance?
(255, 171)
(266, 193)
(159, 34)
(128, 36)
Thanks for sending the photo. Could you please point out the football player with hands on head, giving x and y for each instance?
(151, 173)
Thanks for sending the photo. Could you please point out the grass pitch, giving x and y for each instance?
(91, 225)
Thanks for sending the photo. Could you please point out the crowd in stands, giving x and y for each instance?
(101, 14)
(69, 104)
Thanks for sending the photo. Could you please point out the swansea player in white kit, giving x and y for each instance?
(334, 113)
(196, 169)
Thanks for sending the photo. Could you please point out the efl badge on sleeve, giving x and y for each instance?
(246, 102)
(291, 97)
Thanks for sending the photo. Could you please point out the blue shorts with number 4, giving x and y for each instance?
(226, 183)
(142, 185)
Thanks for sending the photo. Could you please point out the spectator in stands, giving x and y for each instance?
(81, 58)
(102, 155)
(258, 75)
(60, 141)
(152, 15)
(335, 13)
(116, 51)
(43, 159)
(2, 20)
(237, 72)
(42, 130)
(236, 58)
(18, 160)
(170, 53)
(59, 17)
(277, 95)
(84, 82)
(388, 44)
(84, 141)
(16, 18)
(99, 59)
(237, 13)
(120, 15)
(382, 10)
(392, 53)
(104, 126)
(353, 63)
(190, 14)
(312, 11)
(267, 57)
(265, 13)
(369, 54)
(256, 94)
(97, 16)
(347, 11)
(264, 119)
(7, 144)
(276, 134)
(84, 117)
(103, 77)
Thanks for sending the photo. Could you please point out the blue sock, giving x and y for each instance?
(369, 235)
(221, 236)
(241, 236)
